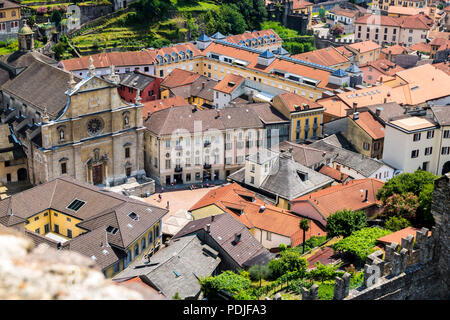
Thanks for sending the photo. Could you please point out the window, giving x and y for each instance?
(63, 168)
(56, 227)
(428, 151)
(46, 228)
(167, 143)
(414, 153)
(188, 177)
(68, 219)
(69, 233)
(268, 236)
(157, 231)
(76, 204)
(416, 137)
(376, 146)
(127, 152)
(409, 39)
(446, 134)
(136, 250)
(117, 265)
(161, 73)
(143, 243)
(36, 218)
(150, 237)
(430, 134)
(366, 146)
(252, 180)
(38, 230)
(128, 171)
(445, 150)
(167, 163)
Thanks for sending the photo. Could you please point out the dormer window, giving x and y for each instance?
(112, 230)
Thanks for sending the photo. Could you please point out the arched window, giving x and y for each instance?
(143, 243)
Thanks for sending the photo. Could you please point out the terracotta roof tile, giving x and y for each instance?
(320, 204)
(364, 46)
(229, 83)
(296, 102)
(368, 123)
(333, 173)
(398, 235)
(327, 57)
(178, 78)
(272, 218)
(161, 104)
(250, 35)
(396, 49)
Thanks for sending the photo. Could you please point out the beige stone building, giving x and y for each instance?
(186, 145)
(73, 126)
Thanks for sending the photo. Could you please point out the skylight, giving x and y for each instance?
(76, 204)
(133, 216)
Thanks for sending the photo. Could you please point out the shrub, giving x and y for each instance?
(289, 261)
(361, 242)
(324, 272)
(396, 223)
(227, 281)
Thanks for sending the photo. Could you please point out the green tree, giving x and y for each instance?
(282, 247)
(290, 260)
(406, 182)
(176, 296)
(259, 272)
(304, 225)
(421, 184)
(148, 11)
(56, 17)
(322, 14)
(345, 222)
(396, 223)
(401, 205)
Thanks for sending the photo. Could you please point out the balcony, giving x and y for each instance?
(178, 169)
(207, 166)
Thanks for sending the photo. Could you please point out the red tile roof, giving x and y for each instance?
(323, 255)
(229, 83)
(398, 235)
(368, 123)
(300, 4)
(178, 78)
(418, 21)
(333, 173)
(320, 204)
(327, 56)
(364, 46)
(444, 66)
(250, 35)
(296, 102)
(161, 104)
(272, 218)
(395, 50)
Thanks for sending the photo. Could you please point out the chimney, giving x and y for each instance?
(262, 208)
(378, 111)
(203, 85)
(356, 116)
(237, 237)
(355, 106)
(385, 100)
(212, 218)
(208, 228)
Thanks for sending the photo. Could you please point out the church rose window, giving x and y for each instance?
(95, 126)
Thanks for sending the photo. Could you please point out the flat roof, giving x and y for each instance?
(413, 123)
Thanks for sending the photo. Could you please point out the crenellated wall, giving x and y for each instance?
(418, 268)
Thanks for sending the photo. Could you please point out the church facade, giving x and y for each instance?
(73, 126)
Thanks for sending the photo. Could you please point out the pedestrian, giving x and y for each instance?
(160, 197)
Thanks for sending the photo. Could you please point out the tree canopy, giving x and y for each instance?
(345, 222)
